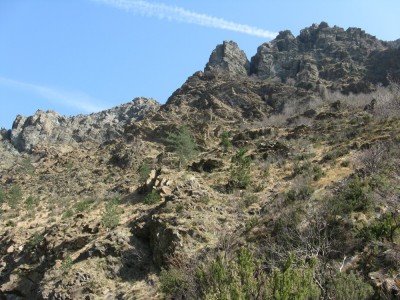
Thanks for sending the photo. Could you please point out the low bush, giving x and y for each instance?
(299, 193)
(152, 198)
(111, 214)
(172, 281)
(225, 140)
(243, 277)
(240, 170)
(381, 229)
(355, 196)
(144, 171)
(349, 287)
(15, 196)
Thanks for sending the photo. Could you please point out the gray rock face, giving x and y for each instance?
(228, 57)
(51, 128)
(320, 54)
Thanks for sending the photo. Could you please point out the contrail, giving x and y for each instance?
(75, 100)
(174, 13)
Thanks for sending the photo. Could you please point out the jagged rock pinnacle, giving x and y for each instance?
(228, 57)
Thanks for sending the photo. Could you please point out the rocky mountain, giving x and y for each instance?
(51, 128)
(274, 177)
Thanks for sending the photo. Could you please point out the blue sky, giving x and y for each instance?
(81, 56)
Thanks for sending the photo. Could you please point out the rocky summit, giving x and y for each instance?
(274, 177)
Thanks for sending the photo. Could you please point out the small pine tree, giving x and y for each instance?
(183, 144)
(240, 170)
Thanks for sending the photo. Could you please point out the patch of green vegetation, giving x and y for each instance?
(183, 144)
(152, 198)
(15, 196)
(334, 154)
(348, 287)
(111, 214)
(225, 140)
(34, 241)
(248, 200)
(173, 281)
(300, 193)
(308, 169)
(66, 263)
(381, 229)
(179, 208)
(345, 163)
(354, 196)
(26, 166)
(10, 223)
(3, 195)
(240, 170)
(251, 223)
(144, 171)
(67, 214)
(83, 205)
(242, 278)
(31, 205)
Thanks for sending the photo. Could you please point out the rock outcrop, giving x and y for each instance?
(228, 57)
(51, 128)
(346, 60)
(319, 55)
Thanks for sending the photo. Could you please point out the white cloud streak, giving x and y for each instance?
(70, 99)
(174, 13)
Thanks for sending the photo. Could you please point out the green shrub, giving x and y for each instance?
(251, 223)
(83, 205)
(26, 166)
(66, 263)
(355, 196)
(179, 208)
(11, 223)
(152, 198)
(300, 193)
(15, 196)
(225, 141)
(172, 281)
(31, 205)
(382, 229)
(345, 163)
(30, 202)
(183, 144)
(34, 241)
(348, 287)
(144, 171)
(294, 281)
(3, 196)
(111, 214)
(248, 200)
(235, 279)
(67, 214)
(334, 154)
(240, 170)
(244, 278)
(308, 169)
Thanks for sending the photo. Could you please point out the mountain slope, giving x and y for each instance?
(293, 177)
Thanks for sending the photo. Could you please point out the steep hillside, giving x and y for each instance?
(274, 177)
